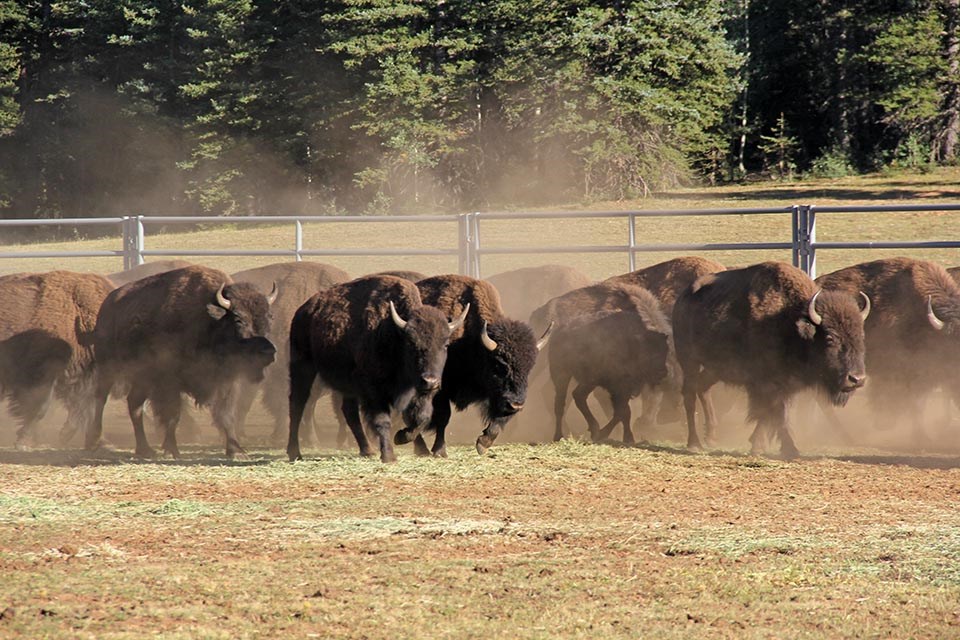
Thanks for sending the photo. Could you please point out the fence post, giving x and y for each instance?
(475, 244)
(132, 230)
(298, 240)
(806, 237)
(795, 235)
(632, 242)
(463, 244)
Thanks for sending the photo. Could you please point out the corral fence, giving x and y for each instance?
(470, 249)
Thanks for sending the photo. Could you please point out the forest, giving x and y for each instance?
(313, 107)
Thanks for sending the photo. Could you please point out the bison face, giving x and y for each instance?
(833, 326)
(509, 352)
(426, 334)
(651, 355)
(243, 318)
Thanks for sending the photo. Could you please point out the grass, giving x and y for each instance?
(560, 540)
(940, 186)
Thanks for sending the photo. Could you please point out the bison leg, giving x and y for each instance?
(690, 407)
(580, 393)
(438, 423)
(30, 404)
(489, 435)
(224, 414)
(560, 385)
(652, 398)
(621, 415)
(247, 393)
(351, 413)
(95, 430)
(166, 406)
(771, 419)
(380, 424)
(135, 401)
(336, 399)
(302, 374)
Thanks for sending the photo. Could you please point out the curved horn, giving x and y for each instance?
(222, 299)
(815, 317)
(456, 324)
(272, 297)
(542, 342)
(866, 305)
(485, 338)
(935, 322)
(397, 320)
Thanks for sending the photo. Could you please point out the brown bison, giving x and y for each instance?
(296, 282)
(768, 329)
(46, 323)
(666, 281)
(523, 290)
(373, 341)
(488, 360)
(121, 278)
(913, 335)
(622, 352)
(189, 331)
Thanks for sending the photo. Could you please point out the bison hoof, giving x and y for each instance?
(403, 436)
(145, 452)
(482, 445)
(293, 456)
(789, 453)
(694, 446)
(440, 453)
(388, 458)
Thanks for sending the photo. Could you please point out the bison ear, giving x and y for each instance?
(806, 329)
(216, 311)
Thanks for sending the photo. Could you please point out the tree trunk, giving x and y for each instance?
(950, 133)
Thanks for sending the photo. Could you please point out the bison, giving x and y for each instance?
(188, 331)
(523, 290)
(132, 274)
(913, 335)
(375, 342)
(406, 274)
(769, 329)
(622, 352)
(46, 324)
(296, 282)
(666, 281)
(489, 360)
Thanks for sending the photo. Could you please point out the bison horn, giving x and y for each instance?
(397, 320)
(272, 296)
(222, 299)
(866, 306)
(935, 322)
(542, 342)
(485, 338)
(456, 324)
(815, 317)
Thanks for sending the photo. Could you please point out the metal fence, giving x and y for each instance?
(467, 244)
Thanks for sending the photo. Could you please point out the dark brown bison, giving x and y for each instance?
(373, 341)
(189, 331)
(121, 278)
(523, 290)
(295, 282)
(666, 281)
(768, 329)
(488, 361)
(412, 276)
(622, 352)
(46, 324)
(913, 334)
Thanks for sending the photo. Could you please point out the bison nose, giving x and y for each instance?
(429, 383)
(268, 349)
(854, 380)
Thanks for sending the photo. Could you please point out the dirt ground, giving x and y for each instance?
(529, 541)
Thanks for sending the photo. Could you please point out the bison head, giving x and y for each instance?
(508, 351)
(832, 326)
(426, 334)
(238, 335)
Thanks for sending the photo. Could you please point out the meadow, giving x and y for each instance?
(533, 539)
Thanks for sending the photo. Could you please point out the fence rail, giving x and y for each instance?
(470, 249)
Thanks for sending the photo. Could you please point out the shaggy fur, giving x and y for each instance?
(347, 337)
(750, 327)
(121, 278)
(523, 290)
(45, 324)
(412, 276)
(166, 335)
(906, 356)
(497, 380)
(622, 352)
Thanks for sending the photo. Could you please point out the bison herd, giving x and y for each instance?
(418, 347)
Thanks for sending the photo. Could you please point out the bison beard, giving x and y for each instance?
(189, 331)
(373, 341)
(768, 329)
